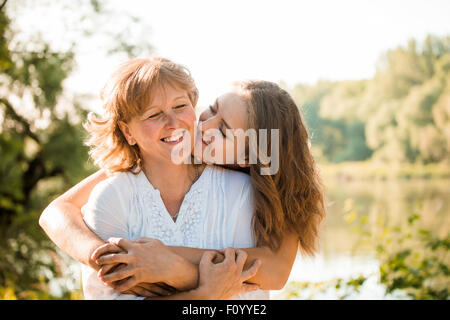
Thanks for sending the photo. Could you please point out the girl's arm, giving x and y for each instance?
(219, 281)
(63, 222)
(275, 265)
(272, 275)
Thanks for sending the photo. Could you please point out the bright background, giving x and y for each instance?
(371, 79)
(224, 41)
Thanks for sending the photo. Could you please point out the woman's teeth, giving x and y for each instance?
(173, 138)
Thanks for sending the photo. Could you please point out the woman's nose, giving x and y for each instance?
(172, 120)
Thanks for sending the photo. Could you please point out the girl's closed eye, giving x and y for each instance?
(221, 131)
(212, 109)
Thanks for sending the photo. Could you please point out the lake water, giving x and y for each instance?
(341, 254)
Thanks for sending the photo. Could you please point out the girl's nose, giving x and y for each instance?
(205, 115)
(209, 123)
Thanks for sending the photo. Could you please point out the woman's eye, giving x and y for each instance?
(180, 106)
(153, 116)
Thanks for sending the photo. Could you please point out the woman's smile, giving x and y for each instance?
(175, 138)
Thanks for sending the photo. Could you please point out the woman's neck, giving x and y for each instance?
(173, 181)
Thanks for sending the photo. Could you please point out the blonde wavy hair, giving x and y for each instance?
(126, 94)
(293, 199)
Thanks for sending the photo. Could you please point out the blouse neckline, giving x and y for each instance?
(190, 203)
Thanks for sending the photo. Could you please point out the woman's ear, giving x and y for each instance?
(126, 132)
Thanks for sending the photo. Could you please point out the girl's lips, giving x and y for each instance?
(205, 143)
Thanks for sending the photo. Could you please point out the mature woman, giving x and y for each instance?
(286, 210)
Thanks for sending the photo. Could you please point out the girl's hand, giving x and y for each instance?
(151, 290)
(146, 261)
(225, 279)
(141, 289)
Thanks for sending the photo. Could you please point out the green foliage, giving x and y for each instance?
(413, 260)
(41, 147)
(400, 115)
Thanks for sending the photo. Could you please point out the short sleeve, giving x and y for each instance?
(105, 212)
(106, 215)
(239, 209)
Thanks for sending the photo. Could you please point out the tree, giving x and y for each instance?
(400, 115)
(41, 143)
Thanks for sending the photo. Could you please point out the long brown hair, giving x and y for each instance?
(292, 199)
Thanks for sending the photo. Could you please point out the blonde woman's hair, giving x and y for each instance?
(293, 199)
(126, 94)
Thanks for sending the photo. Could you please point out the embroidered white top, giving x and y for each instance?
(216, 213)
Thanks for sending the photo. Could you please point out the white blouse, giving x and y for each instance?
(216, 213)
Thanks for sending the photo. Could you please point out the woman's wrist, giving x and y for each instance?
(202, 293)
(183, 275)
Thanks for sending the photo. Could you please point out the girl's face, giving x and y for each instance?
(216, 136)
(162, 125)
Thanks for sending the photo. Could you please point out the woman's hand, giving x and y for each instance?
(227, 278)
(145, 260)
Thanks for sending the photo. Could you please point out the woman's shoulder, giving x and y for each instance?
(119, 184)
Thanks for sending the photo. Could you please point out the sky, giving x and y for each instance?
(293, 41)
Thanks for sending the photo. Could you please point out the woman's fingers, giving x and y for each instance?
(104, 269)
(117, 275)
(207, 258)
(241, 257)
(246, 287)
(121, 242)
(156, 288)
(140, 291)
(125, 284)
(105, 248)
(159, 284)
(230, 255)
(148, 240)
(113, 258)
(251, 272)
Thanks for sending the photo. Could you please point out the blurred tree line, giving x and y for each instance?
(400, 115)
(41, 135)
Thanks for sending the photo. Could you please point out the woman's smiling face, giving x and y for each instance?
(162, 125)
(217, 127)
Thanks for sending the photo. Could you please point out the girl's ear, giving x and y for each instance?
(126, 132)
